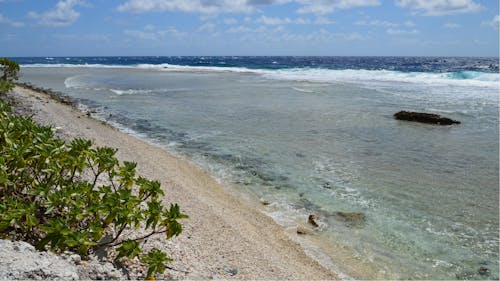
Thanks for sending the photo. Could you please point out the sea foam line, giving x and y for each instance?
(321, 75)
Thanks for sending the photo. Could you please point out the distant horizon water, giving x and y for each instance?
(316, 135)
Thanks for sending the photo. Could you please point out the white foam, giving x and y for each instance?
(302, 90)
(185, 68)
(364, 76)
(465, 78)
(130, 91)
(74, 82)
(69, 65)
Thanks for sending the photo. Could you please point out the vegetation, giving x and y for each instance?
(61, 195)
(9, 71)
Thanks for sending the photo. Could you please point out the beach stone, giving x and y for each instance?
(351, 218)
(427, 118)
(76, 259)
(19, 260)
(264, 202)
(313, 219)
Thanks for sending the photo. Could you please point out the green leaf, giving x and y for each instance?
(155, 259)
(129, 249)
(153, 214)
(173, 228)
(148, 188)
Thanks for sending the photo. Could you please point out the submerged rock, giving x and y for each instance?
(484, 271)
(427, 118)
(313, 219)
(351, 218)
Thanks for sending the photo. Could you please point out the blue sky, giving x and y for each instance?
(249, 27)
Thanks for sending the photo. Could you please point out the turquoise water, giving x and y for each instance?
(323, 141)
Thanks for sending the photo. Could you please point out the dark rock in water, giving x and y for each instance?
(313, 219)
(307, 204)
(484, 271)
(351, 218)
(327, 185)
(427, 118)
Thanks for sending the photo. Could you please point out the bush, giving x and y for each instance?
(61, 195)
(10, 70)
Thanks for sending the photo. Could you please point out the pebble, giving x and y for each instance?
(76, 259)
(265, 202)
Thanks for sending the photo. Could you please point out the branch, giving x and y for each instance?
(136, 239)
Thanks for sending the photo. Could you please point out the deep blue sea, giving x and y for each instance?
(317, 135)
(404, 64)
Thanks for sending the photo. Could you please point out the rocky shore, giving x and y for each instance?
(21, 261)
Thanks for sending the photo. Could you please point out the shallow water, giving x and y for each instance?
(310, 143)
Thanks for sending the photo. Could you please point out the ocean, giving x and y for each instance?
(317, 135)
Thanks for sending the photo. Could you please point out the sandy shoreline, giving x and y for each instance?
(224, 238)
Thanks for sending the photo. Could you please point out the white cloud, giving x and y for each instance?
(83, 37)
(393, 31)
(273, 21)
(142, 35)
(63, 14)
(495, 22)
(189, 6)
(452, 25)
(409, 23)
(245, 29)
(280, 21)
(382, 23)
(440, 7)
(353, 36)
(153, 33)
(322, 35)
(208, 27)
(318, 7)
(323, 21)
(6, 20)
(299, 21)
(230, 21)
(377, 23)
(323, 7)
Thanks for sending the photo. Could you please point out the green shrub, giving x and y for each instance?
(9, 73)
(62, 195)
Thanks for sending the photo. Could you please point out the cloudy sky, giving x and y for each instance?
(249, 27)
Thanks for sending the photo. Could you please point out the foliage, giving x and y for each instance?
(156, 260)
(10, 71)
(71, 195)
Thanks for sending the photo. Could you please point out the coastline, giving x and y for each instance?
(225, 237)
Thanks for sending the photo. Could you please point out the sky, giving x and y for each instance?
(249, 27)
